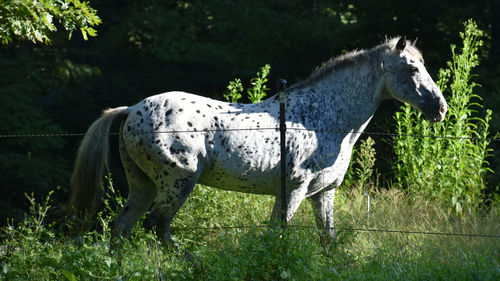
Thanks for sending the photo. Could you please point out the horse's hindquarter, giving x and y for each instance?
(159, 136)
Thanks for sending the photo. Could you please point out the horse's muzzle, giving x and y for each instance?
(437, 115)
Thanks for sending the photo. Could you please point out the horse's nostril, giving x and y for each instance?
(443, 109)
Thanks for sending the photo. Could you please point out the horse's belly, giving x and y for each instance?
(249, 181)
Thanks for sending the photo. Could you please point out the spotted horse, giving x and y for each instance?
(171, 141)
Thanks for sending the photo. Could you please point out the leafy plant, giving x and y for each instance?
(256, 93)
(364, 161)
(259, 88)
(361, 172)
(234, 90)
(448, 161)
(38, 211)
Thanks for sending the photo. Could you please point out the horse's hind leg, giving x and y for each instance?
(142, 192)
(171, 196)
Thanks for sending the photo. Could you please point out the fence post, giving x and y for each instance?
(281, 87)
(367, 208)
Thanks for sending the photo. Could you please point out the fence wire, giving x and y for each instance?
(372, 133)
(357, 229)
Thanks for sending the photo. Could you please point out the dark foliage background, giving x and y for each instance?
(152, 46)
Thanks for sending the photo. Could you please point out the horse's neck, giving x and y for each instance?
(344, 101)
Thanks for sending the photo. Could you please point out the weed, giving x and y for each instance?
(259, 88)
(234, 90)
(256, 93)
(451, 168)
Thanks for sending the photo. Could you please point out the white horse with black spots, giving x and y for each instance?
(170, 142)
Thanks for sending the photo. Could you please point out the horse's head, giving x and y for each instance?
(407, 80)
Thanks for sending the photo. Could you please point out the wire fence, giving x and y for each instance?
(354, 229)
(370, 133)
(338, 229)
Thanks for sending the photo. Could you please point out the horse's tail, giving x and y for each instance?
(91, 160)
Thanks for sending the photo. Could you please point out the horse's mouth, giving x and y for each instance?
(435, 119)
(437, 116)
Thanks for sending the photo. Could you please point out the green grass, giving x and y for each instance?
(35, 250)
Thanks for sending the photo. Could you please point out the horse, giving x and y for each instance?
(171, 141)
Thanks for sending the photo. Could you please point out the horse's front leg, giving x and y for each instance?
(293, 199)
(322, 203)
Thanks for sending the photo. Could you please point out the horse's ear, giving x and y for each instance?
(414, 43)
(401, 45)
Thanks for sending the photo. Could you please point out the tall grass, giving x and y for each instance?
(451, 168)
(34, 251)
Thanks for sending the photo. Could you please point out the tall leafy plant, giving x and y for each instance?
(256, 93)
(448, 161)
(259, 88)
